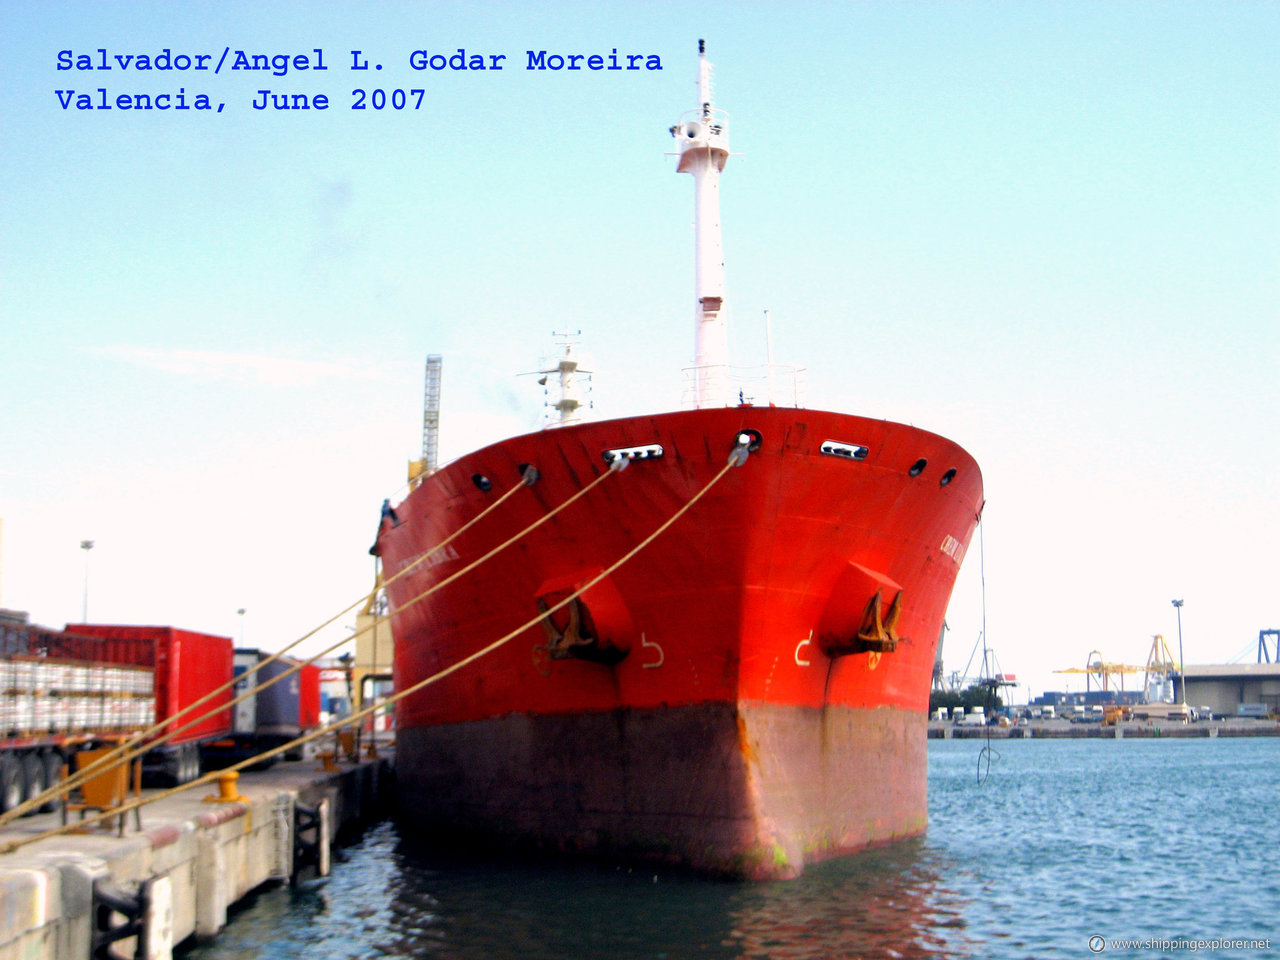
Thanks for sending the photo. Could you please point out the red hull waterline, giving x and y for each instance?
(738, 701)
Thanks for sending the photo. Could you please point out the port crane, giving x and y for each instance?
(990, 673)
(1264, 652)
(371, 618)
(1104, 673)
(430, 461)
(1161, 669)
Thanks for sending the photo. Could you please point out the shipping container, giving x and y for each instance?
(187, 666)
(309, 698)
(79, 689)
(269, 717)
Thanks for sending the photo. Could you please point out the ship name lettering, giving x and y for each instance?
(430, 560)
(442, 556)
(425, 60)
(541, 60)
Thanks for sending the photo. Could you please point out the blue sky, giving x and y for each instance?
(1048, 231)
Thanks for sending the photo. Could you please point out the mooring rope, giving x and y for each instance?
(736, 459)
(987, 753)
(140, 743)
(506, 543)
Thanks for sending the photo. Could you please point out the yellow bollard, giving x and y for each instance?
(228, 790)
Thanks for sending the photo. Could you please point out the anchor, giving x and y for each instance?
(878, 633)
(575, 642)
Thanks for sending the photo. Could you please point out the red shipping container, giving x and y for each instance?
(309, 697)
(187, 666)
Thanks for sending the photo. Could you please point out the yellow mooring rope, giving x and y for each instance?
(736, 459)
(151, 745)
(129, 749)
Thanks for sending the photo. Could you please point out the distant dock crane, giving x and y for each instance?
(1265, 652)
(990, 674)
(1108, 676)
(1161, 670)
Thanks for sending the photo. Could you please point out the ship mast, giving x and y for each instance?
(703, 135)
(567, 370)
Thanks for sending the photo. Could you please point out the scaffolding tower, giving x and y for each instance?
(431, 415)
(430, 461)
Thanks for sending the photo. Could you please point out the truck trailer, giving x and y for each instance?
(91, 685)
(269, 717)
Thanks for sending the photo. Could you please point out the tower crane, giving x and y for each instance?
(430, 461)
(372, 630)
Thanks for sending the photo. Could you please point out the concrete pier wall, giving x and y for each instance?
(191, 860)
(1129, 729)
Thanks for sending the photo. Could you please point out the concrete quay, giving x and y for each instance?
(1129, 729)
(175, 878)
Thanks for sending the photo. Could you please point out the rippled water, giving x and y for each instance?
(1063, 841)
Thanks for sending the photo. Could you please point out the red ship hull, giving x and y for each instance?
(742, 706)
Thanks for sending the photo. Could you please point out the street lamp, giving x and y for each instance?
(240, 613)
(86, 546)
(1182, 664)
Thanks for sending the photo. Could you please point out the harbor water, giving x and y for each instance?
(1037, 849)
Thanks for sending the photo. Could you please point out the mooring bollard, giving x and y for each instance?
(228, 789)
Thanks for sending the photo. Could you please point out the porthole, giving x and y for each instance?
(917, 468)
(483, 483)
(947, 477)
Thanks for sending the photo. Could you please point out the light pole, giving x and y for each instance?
(240, 613)
(86, 546)
(1182, 664)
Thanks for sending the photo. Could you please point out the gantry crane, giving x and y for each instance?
(1161, 669)
(1097, 669)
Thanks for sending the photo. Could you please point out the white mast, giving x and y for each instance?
(703, 135)
(566, 369)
